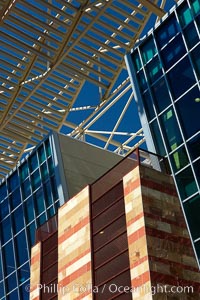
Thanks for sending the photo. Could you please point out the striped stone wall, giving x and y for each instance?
(74, 248)
(160, 251)
(35, 272)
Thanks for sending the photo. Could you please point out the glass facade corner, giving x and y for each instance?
(168, 59)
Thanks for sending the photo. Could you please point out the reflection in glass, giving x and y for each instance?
(161, 95)
(157, 138)
(186, 183)
(154, 70)
(171, 130)
(179, 159)
(166, 31)
(8, 256)
(21, 248)
(148, 50)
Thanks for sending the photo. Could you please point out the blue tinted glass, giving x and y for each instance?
(35, 180)
(44, 171)
(33, 162)
(13, 181)
(48, 148)
(188, 108)
(23, 171)
(155, 131)
(15, 199)
(2, 293)
(24, 273)
(148, 104)
(6, 230)
(31, 229)
(26, 188)
(148, 50)
(13, 295)
(182, 72)
(23, 292)
(21, 248)
(184, 14)
(1, 270)
(154, 70)
(136, 60)
(192, 208)
(3, 191)
(170, 129)
(47, 193)
(41, 154)
(4, 208)
(186, 183)
(18, 220)
(8, 255)
(196, 60)
(193, 146)
(50, 166)
(42, 219)
(29, 212)
(38, 199)
(142, 81)
(173, 52)
(54, 188)
(166, 31)
(11, 282)
(160, 94)
(191, 35)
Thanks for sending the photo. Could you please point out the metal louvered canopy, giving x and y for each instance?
(48, 51)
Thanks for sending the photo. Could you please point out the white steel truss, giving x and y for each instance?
(49, 51)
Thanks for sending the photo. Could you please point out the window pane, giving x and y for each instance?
(6, 230)
(136, 60)
(31, 229)
(173, 52)
(197, 170)
(171, 130)
(15, 199)
(47, 193)
(26, 188)
(18, 220)
(13, 181)
(179, 159)
(193, 146)
(154, 70)
(192, 208)
(29, 212)
(142, 81)
(195, 6)
(11, 282)
(157, 138)
(148, 104)
(8, 255)
(186, 183)
(24, 273)
(161, 95)
(166, 31)
(148, 50)
(23, 291)
(184, 14)
(13, 295)
(188, 111)
(191, 35)
(44, 171)
(4, 208)
(21, 248)
(38, 199)
(50, 166)
(196, 60)
(23, 171)
(3, 191)
(41, 154)
(35, 180)
(33, 162)
(42, 219)
(48, 148)
(54, 188)
(182, 72)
